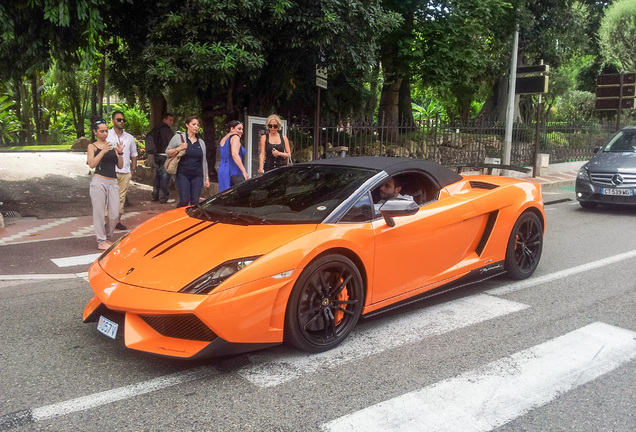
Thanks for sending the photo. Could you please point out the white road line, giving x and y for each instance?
(269, 369)
(48, 276)
(114, 395)
(75, 260)
(528, 283)
(495, 394)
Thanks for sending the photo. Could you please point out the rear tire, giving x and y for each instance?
(325, 304)
(524, 246)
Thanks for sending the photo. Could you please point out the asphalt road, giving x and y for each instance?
(506, 340)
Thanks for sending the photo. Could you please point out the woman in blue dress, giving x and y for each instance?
(231, 168)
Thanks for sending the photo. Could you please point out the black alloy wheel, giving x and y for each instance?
(325, 304)
(524, 246)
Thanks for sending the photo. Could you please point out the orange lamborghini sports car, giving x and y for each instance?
(299, 254)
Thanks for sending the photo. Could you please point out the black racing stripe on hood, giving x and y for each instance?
(184, 239)
(173, 236)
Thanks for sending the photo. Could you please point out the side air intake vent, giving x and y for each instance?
(482, 185)
(492, 218)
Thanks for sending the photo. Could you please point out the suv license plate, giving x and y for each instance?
(617, 192)
(107, 327)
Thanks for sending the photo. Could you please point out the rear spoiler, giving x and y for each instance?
(491, 167)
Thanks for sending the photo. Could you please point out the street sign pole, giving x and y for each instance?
(510, 110)
(316, 127)
(620, 101)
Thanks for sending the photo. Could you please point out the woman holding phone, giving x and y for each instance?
(104, 188)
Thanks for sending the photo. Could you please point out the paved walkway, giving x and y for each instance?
(26, 230)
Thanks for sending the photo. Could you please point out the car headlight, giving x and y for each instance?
(584, 172)
(210, 280)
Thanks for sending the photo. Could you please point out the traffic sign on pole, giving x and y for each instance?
(615, 79)
(612, 104)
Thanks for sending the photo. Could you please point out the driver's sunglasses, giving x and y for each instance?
(121, 120)
(272, 126)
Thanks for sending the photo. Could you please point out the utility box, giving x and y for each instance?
(543, 162)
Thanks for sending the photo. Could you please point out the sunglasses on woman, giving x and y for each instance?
(272, 126)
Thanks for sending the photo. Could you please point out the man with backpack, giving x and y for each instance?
(156, 142)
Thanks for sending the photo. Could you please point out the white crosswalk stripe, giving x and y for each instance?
(75, 260)
(270, 369)
(493, 395)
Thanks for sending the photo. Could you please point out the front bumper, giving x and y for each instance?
(587, 191)
(192, 326)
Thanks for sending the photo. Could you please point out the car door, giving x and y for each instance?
(423, 249)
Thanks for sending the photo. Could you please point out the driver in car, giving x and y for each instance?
(391, 189)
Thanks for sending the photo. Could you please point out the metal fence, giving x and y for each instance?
(449, 143)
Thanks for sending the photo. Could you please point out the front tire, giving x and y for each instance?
(325, 304)
(524, 246)
(587, 204)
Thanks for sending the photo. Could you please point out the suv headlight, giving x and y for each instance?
(584, 173)
(210, 280)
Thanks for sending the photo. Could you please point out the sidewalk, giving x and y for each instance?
(26, 230)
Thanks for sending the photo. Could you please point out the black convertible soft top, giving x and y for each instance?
(393, 165)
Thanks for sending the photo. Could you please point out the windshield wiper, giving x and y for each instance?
(246, 218)
(203, 212)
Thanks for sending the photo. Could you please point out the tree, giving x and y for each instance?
(245, 53)
(36, 32)
(618, 35)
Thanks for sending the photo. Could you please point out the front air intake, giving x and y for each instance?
(186, 326)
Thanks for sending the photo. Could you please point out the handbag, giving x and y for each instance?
(172, 163)
(290, 162)
(236, 179)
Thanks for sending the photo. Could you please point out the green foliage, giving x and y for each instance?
(576, 106)
(618, 35)
(137, 122)
(9, 123)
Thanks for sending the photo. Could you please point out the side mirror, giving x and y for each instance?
(596, 149)
(397, 207)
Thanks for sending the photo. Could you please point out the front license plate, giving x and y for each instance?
(617, 192)
(108, 327)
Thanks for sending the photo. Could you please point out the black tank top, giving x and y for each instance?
(271, 161)
(106, 166)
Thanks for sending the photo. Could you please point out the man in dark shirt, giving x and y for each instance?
(161, 182)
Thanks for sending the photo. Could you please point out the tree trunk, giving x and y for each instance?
(36, 107)
(495, 107)
(158, 107)
(18, 110)
(101, 87)
(405, 108)
(373, 101)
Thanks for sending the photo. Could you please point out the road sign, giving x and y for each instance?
(533, 69)
(615, 79)
(321, 82)
(532, 85)
(612, 104)
(615, 91)
(321, 72)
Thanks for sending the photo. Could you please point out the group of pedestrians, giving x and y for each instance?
(114, 157)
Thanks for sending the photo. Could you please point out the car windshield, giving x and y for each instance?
(291, 195)
(623, 141)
